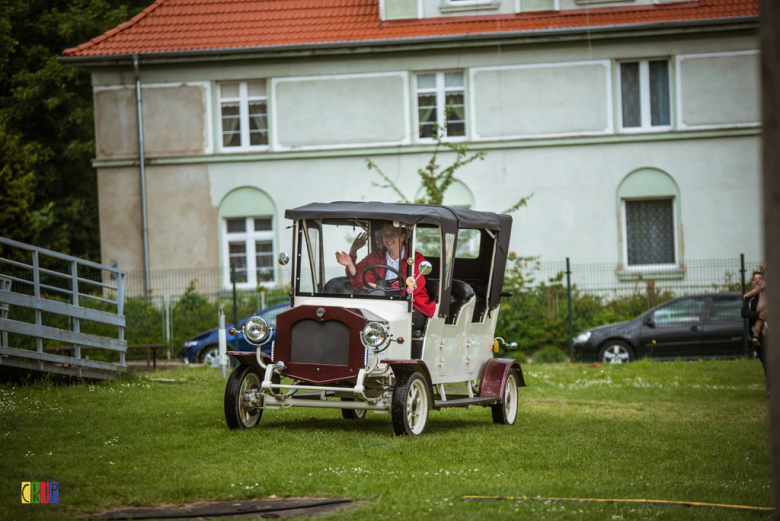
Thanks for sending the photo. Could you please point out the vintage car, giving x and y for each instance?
(355, 347)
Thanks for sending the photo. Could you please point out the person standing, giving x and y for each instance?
(750, 312)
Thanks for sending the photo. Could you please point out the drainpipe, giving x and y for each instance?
(143, 171)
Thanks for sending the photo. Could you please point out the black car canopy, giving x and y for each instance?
(450, 220)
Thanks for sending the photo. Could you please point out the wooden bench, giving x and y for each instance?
(151, 351)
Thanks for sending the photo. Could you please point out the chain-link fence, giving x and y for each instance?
(553, 306)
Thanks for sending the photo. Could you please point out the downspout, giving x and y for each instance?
(143, 171)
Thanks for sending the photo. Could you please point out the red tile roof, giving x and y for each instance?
(192, 25)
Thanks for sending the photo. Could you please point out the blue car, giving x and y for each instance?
(204, 347)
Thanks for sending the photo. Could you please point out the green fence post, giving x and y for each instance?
(568, 301)
(235, 304)
(170, 322)
(744, 320)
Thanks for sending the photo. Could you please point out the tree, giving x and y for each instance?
(46, 109)
(435, 180)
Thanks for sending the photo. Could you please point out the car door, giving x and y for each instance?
(722, 331)
(674, 330)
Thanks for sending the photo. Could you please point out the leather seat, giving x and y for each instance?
(461, 294)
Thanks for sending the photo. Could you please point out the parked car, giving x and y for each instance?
(360, 343)
(690, 327)
(204, 347)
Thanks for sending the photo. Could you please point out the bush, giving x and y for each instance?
(550, 355)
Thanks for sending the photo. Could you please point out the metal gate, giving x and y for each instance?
(60, 286)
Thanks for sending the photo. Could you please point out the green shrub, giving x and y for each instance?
(550, 355)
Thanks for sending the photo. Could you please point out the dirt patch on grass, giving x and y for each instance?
(249, 509)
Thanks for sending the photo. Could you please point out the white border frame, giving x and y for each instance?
(644, 94)
(208, 120)
(277, 147)
(678, 78)
(243, 95)
(248, 237)
(648, 268)
(416, 111)
(609, 129)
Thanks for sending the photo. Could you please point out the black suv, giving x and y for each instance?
(690, 327)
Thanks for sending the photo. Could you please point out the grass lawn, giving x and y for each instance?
(684, 431)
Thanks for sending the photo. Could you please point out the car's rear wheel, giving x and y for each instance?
(410, 404)
(505, 413)
(243, 401)
(616, 352)
(352, 414)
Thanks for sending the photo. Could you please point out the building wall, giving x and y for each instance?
(547, 114)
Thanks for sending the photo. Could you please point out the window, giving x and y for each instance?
(726, 308)
(644, 95)
(682, 312)
(243, 115)
(650, 237)
(249, 246)
(441, 104)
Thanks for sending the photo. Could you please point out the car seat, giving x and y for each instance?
(460, 295)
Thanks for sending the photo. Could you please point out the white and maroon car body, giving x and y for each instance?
(324, 354)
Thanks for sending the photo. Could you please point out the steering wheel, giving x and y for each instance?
(381, 283)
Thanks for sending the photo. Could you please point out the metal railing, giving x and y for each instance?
(52, 297)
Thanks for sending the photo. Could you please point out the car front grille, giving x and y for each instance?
(314, 342)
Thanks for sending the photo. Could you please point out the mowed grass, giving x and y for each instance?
(683, 431)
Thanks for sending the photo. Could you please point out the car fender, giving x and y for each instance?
(250, 358)
(400, 367)
(494, 377)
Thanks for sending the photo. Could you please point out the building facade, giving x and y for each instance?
(635, 124)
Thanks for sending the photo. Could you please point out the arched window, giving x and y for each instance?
(458, 195)
(248, 237)
(649, 208)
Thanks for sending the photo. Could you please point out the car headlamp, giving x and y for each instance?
(191, 343)
(374, 336)
(256, 330)
(582, 337)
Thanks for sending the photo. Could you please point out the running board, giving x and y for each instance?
(465, 402)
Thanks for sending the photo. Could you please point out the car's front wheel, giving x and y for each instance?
(243, 400)
(410, 405)
(210, 355)
(616, 352)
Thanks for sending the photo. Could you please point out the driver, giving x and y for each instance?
(393, 255)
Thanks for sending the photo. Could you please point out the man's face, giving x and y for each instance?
(757, 278)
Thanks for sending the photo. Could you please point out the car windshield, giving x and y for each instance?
(328, 248)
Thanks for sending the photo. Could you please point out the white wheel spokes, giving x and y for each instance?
(510, 398)
(249, 416)
(416, 406)
(616, 355)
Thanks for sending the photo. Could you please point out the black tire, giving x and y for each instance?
(237, 416)
(352, 414)
(411, 405)
(616, 352)
(505, 413)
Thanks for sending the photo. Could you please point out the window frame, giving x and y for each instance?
(249, 237)
(644, 96)
(243, 110)
(648, 268)
(441, 102)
